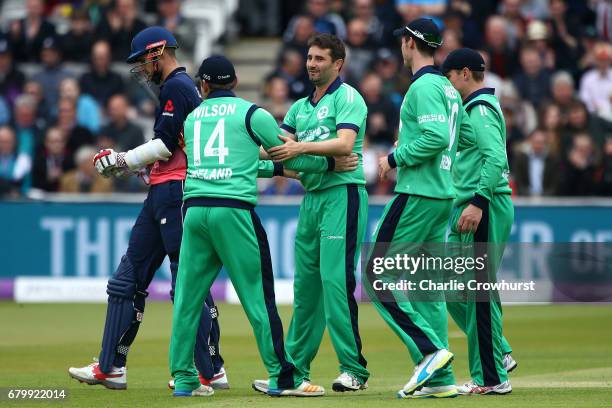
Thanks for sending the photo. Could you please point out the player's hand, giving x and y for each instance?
(109, 163)
(383, 167)
(346, 163)
(286, 151)
(469, 219)
(291, 174)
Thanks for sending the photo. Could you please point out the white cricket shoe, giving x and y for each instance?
(443, 391)
(218, 382)
(305, 389)
(471, 388)
(91, 374)
(261, 385)
(428, 366)
(201, 391)
(509, 363)
(348, 382)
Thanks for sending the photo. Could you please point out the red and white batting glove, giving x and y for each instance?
(110, 163)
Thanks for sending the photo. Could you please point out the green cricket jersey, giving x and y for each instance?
(482, 168)
(222, 139)
(429, 118)
(342, 107)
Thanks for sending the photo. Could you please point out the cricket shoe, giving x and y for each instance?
(471, 388)
(305, 389)
(218, 382)
(426, 369)
(348, 382)
(509, 363)
(261, 386)
(92, 375)
(443, 391)
(201, 391)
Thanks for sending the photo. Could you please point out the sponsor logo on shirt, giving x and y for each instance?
(320, 133)
(432, 117)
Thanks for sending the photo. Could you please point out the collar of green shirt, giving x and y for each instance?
(330, 90)
(481, 91)
(427, 69)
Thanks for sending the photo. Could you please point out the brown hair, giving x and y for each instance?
(329, 42)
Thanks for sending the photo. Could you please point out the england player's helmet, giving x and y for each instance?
(151, 43)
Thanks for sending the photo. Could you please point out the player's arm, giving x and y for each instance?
(167, 128)
(492, 147)
(434, 133)
(268, 168)
(265, 130)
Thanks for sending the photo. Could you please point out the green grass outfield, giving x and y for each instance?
(564, 354)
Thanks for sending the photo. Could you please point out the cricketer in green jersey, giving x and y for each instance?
(429, 120)
(482, 212)
(332, 219)
(222, 139)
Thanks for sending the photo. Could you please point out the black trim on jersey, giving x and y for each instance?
(391, 160)
(352, 227)
(330, 90)
(217, 202)
(278, 169)
(288, 128)
(285, 378)
(385, 235)
(480, 201)
(351, 126)
(469, 107)
(483, 309)
(481, 91)
(427, 69)
(247, 123)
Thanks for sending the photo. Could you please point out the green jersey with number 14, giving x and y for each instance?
(222, 139)
(428, 135)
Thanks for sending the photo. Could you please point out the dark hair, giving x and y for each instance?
(329, 42)
(424, 48)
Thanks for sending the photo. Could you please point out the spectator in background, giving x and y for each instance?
(14, 166)
(359, 54)
(386, 65)
(79, 38)
(5, 111)
(29, 135)
(75, 135)
(562, 89)
(51, 161)
(578, 172)
(580, 121)
(517, 24)
(383, 119)
(537, 37)
(451, 40)
(324, 20)
(468, 17)
(11, 79)
(276, 97)
(284, 186)
(120, 133)
(412, 9)
(52, 73)
(521, 116)
(596, 84)
(88, 111)
(491, 80)
(27, 35)
(565, 30)
(551, 121)
(100, 81)
(503, 56)
(533, 82)
(535, 9)
(604, 177)
(118, 26)
(43, 111)
(364, 10)
(84, 178)
(304, 28)
(603, 11)
(170, 17)
(535, 168)
(293, 69)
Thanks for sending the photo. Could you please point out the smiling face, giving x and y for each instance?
(320, 66)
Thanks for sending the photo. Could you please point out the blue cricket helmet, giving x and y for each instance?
(150, 38)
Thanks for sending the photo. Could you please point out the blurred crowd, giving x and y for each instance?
(550, 62)
(64, 92)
